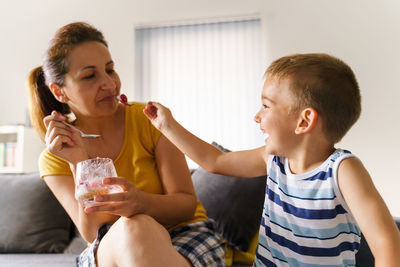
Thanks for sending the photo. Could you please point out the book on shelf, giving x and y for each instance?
(7, 154)
(2, 155)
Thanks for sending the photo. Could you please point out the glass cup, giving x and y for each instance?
(89, 180)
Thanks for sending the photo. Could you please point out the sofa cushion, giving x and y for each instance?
(38, 260)
(32, 220)
(234, 203)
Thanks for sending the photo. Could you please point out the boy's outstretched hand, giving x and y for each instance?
(159, 115)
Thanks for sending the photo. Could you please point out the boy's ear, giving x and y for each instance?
(58, 93)
(307, 120)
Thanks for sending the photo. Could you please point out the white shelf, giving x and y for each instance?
(26, 147)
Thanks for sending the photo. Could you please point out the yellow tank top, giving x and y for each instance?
(136, 161)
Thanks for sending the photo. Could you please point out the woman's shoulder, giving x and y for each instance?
(136, 105)
(138, 122)
(46, 156)
(135, 110)
(50, 164)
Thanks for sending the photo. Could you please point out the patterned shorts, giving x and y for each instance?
(198, 242)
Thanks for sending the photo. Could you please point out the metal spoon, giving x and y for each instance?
(82, 133)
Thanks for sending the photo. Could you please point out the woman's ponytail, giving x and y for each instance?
(42, 101)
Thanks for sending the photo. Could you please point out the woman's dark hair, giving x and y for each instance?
(55, 66)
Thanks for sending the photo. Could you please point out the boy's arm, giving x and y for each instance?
(247, 163)
(370, 212)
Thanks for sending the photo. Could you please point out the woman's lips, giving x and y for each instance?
(108, 99)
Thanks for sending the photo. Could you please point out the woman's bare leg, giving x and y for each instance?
(138, 241)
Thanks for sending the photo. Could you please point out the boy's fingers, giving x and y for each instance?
(150, 110)
(146, 111)
(156, 105)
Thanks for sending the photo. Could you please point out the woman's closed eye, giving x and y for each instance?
(90, 76)
(265, 106)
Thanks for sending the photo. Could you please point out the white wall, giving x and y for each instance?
(364, 33)
(27, 26)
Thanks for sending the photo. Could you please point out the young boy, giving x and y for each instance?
(317, 196)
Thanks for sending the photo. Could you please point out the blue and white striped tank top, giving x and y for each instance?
(306, 221)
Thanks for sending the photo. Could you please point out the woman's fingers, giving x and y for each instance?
(123, 204)
(58, 143)
(58, 129)
(51, 123)
(116, 208)
(54, 116)
(62, 140)
(115, 197)
(110, 208)
(122, 182)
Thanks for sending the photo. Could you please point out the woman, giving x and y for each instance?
(156, 220)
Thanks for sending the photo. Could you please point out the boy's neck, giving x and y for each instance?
(309, 158)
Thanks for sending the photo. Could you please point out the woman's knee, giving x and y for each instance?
(140, 221)
(138, 231)
(139, 227)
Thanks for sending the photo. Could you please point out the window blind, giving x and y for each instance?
(210, 75)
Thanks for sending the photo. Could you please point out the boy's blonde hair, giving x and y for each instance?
(324, 83)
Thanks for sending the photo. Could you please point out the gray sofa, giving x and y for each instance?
(36, 231)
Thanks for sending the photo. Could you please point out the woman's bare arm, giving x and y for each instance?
(175, 205)
(62, 187)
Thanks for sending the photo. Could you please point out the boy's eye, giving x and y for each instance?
(265, 106)
(110, 71)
